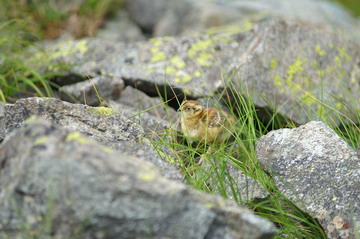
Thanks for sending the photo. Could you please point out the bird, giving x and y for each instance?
(208, 125)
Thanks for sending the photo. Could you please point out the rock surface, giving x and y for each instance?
(94, 91)
(149, 15)
(291, 66)
(154, 127)
(121, 28)
(106, 125)
(183, 17)
(149, 112)
(63, 184)
(298, 68)
(141, 102)
(319, 172)
(321, 12)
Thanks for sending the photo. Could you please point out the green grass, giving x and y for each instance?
(20, 70)
(23, 23)
(352, 6)
(48, 19)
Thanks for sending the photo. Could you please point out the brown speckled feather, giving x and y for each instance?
(212, 117)
(210, 124)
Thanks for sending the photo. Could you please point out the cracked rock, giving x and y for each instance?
(319, 172)
(85, 190)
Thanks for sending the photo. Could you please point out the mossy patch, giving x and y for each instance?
(231, 29)
(107, 149)
(77, 136)
(205, 59)
(308, 98)
(177, 62)
(293, 70)
(68, 49)
(209, 205)
(160, 40)
(182, 78)
(157, 55)
(202, 52)
(343, 54)
(199, 47)
(274, 64)
(277, 81)
(338, 105)
(147, 176)
(41, 140)
(32, 120)
(197, 74)
(319, 50)
(102, 111)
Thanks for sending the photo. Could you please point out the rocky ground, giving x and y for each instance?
(93, 170)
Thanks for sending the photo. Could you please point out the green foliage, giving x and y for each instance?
(352, 5)
(16, 74)
(49, 19)
(23, 22)
(20, 71)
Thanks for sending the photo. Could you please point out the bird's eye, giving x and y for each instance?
(188, 109)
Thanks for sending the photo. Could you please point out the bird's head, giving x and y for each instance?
(190, 108)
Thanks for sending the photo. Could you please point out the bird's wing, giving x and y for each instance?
(213, 117)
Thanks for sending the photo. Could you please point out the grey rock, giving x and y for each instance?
(209, 17)
(184, 17)
(2, 121)
(141, 102)
(298, 68)
(149, 112)
(120, 28)
(319, 172)
(155, 16)
(105, 125)
(154, 127)
(186, 63)
(62, 184)
(321, 12)
(147, 153)
(94, 91)
(283, 64)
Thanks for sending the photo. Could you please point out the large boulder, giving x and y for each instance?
(319, 172)
(304, 71)
(183, 17)
(154, 127)
(106, 125)
(320, 12)
(141, 102)
(59, 183)
(120, 28)
(94, 92)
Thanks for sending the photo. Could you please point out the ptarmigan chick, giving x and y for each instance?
(205, 124)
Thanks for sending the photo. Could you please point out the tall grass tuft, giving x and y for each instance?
(49, 19)
(19, 76)
(214, 177)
